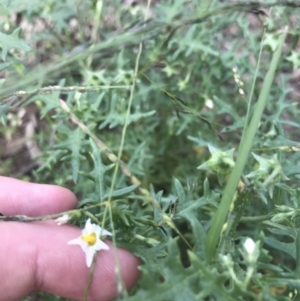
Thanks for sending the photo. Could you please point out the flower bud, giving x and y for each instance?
(268, 174)
(220, 162)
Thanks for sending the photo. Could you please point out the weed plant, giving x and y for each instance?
(175, 124)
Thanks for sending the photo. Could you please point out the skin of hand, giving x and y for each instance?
(36, 257)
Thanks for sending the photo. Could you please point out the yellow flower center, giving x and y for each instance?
(89, 238)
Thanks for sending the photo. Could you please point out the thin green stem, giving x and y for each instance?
(91, 273)
(255, 219)
(214, 233)
(121, 287)
(252, 89)
(97, 18)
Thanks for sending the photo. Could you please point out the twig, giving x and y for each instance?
(51, 89)
(27, 219)
(111, 156)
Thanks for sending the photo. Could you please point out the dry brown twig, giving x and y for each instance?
(111, 156)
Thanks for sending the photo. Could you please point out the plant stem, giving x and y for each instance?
(214, 232)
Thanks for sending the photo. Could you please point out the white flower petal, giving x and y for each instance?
(62, 219)
(105, 232)
(89, 253)
(95, 229)
(88, 227)
(101, 245)
(76, 241)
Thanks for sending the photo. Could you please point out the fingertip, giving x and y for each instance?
(20, 197)
(58, 198)
(129, 268)
(106, 270)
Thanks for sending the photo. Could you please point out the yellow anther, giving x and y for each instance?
(89, 238)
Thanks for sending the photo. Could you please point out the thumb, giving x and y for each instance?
(37, 257)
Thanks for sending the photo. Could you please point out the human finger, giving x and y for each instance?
(37, 257)
(19, 197)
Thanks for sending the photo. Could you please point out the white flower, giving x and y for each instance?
(249, 245)
(252, 250)
(209, 103)
(90, 241)
(62, 219)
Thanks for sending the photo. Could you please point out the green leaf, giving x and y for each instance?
(281, 142)
(271, 40)
(158, 198)
(179, 191)
(121, 192)
(170, 280)
(280, 230)
(191, 207)
(115, 118)
(288, 281)
(177, 281)
(99, 170)
(3, 66)
(288, 248)
(12, 41)
(74, 144)
(4, 109)
(198, 233)
(294, 58)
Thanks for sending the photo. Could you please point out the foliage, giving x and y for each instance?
(131, 96)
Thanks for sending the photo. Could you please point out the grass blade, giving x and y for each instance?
(244, 149)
